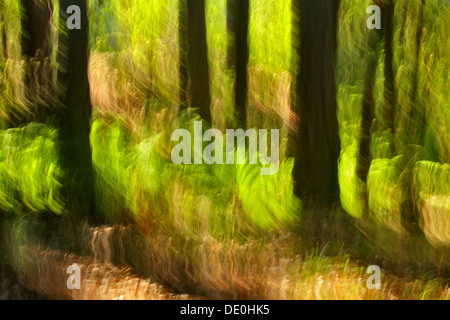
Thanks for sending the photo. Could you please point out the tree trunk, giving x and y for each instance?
(318, 143)
(183, 49)
(388, 110)
(368, 104)
(35, 21)
(4, 49)
(75, 113)
(35, 47)
(238, 55)
(416, 111)
(197, 60)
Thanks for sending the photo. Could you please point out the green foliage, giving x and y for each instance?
(29, 170)
(139, 182)
(386, 194)
(270, 34)
(352, 188)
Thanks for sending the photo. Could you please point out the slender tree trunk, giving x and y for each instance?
(75, 113)
(318, 143)
(183, 49)
(197, 60)
(364, 156)
(388, 110)
(4, 53)
(238, 55)
(416, 111)
(5, 42)
(35, 20)
(368, 104)
(231, 28)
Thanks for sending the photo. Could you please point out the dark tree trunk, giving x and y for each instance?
(35, 21)
(5, 43)
(197, 59)
(238, 52)
(182, 41)
(4, 53)
(388, 110)
(318, 143)
(368, 104)
(416, 111)
(75, 113)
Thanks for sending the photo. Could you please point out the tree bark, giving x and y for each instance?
(35, 46)
(75, 113)
(318, 142)
(197, 59)
(238, 55)
(388, 110)
(35, 22)
(416, 111)
(368, 104)
(4, 53)
(183, 49)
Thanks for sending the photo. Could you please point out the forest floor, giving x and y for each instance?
(101, 281)
(12, 288)
(209, 270)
